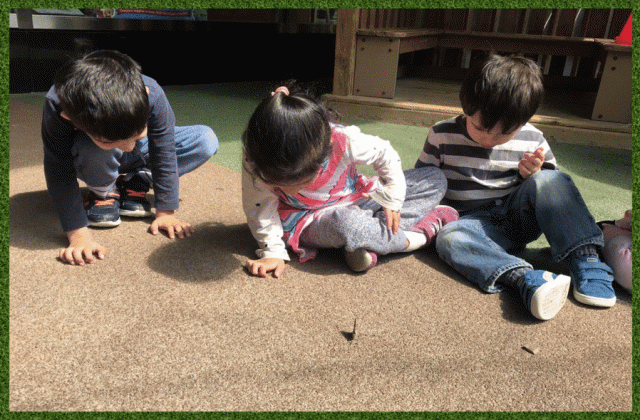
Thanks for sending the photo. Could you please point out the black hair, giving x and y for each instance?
(288, 137)
(506, 89)
(104, 95)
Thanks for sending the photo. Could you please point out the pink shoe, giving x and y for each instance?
(361, 259)
(431, 224)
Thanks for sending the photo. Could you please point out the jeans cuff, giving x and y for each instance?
(491, 287)
(597, 240)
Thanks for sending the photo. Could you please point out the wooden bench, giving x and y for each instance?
(378, 52)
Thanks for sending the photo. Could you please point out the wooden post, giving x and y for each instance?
(345, 58)
(614, 99)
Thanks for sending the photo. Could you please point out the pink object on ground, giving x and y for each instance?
(617, 250)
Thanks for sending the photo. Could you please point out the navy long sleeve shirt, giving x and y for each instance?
(58, 136)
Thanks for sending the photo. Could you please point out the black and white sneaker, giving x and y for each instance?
(133, 194)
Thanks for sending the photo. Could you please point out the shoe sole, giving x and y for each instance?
(550, 297)
(136, 213)
(360, 260)
(593, 301)
(105, 223)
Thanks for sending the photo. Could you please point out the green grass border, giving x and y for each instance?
(4, 203)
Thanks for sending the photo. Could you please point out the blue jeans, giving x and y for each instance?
(99, 168)
(481, 244)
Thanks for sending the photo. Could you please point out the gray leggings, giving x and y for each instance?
(365, 226)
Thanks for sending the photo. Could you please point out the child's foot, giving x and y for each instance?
(103, 212)
(431, 224)
(361, 259)
(544, 293)
(134, 202)
(592, 281)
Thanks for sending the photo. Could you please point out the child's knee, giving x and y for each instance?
(209, 141)
(549, 178)
(428, 175)
(440, 178)
(352, 225)
(555, 188)
(345, 221)
(451, 235)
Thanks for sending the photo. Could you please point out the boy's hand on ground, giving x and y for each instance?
(531, 163)
(393, 220)
(262, 266)
(165, 220)
(81, 248)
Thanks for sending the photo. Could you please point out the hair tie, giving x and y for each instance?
(282, 89)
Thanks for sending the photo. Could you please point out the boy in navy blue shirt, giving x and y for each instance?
(112, 127)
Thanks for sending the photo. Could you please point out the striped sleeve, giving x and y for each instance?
(432, 151)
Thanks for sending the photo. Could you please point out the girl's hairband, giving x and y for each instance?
(282, 89)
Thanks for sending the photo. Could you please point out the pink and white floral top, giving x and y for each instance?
(277, 219)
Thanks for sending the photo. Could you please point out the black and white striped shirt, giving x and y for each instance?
(477, 176)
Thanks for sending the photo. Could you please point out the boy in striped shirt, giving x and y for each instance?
(504, 181)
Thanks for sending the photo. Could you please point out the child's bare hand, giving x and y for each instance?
(81, 248)
(166, 221)
(262, 266)
(393, 220)
(531, 163)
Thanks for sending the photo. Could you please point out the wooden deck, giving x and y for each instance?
(564, 115)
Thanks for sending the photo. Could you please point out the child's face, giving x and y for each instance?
(126, 145)
(293, 189)
(487, 138)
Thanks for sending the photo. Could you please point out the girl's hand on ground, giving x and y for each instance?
(531, 163)
(263, 266)
(81, 248)
(165, 220)
(393, 220)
